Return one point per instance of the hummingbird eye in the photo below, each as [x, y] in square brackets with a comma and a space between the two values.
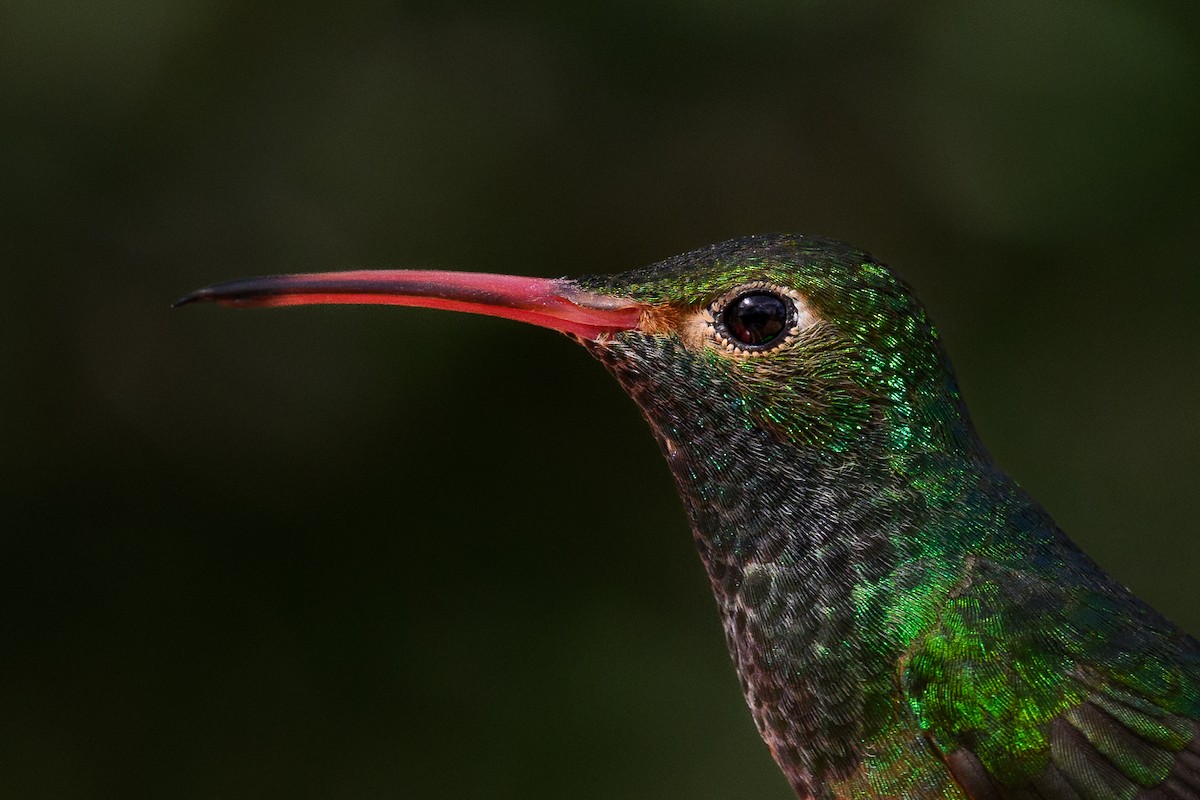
[755, 320]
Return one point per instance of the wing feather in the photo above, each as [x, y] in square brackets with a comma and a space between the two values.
[1057, 690]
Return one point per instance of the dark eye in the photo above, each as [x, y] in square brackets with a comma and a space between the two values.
[757, 319]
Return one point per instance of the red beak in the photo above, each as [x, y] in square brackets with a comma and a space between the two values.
[552, 303]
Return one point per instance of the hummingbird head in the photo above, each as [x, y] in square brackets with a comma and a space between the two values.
[805, 338]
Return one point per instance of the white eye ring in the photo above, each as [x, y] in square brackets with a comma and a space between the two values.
[799, 318]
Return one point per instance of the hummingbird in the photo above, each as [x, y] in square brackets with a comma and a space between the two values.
[905, 621]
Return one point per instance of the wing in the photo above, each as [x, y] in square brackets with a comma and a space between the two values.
[1069, 689]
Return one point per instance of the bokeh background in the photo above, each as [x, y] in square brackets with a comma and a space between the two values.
[404, 554]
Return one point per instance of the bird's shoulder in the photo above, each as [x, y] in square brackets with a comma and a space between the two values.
[1056, 684]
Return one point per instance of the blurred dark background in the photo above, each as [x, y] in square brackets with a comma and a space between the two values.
[378, 553]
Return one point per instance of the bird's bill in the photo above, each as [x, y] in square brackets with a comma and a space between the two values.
[551, 303]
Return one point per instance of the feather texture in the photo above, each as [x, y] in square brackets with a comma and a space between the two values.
[905, 620]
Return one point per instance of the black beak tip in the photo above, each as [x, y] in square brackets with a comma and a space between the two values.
[204, 295]
[247, 292]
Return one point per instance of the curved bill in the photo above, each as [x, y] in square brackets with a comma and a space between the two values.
[552, 303]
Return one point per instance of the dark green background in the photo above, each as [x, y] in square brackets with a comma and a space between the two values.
[381, 553]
